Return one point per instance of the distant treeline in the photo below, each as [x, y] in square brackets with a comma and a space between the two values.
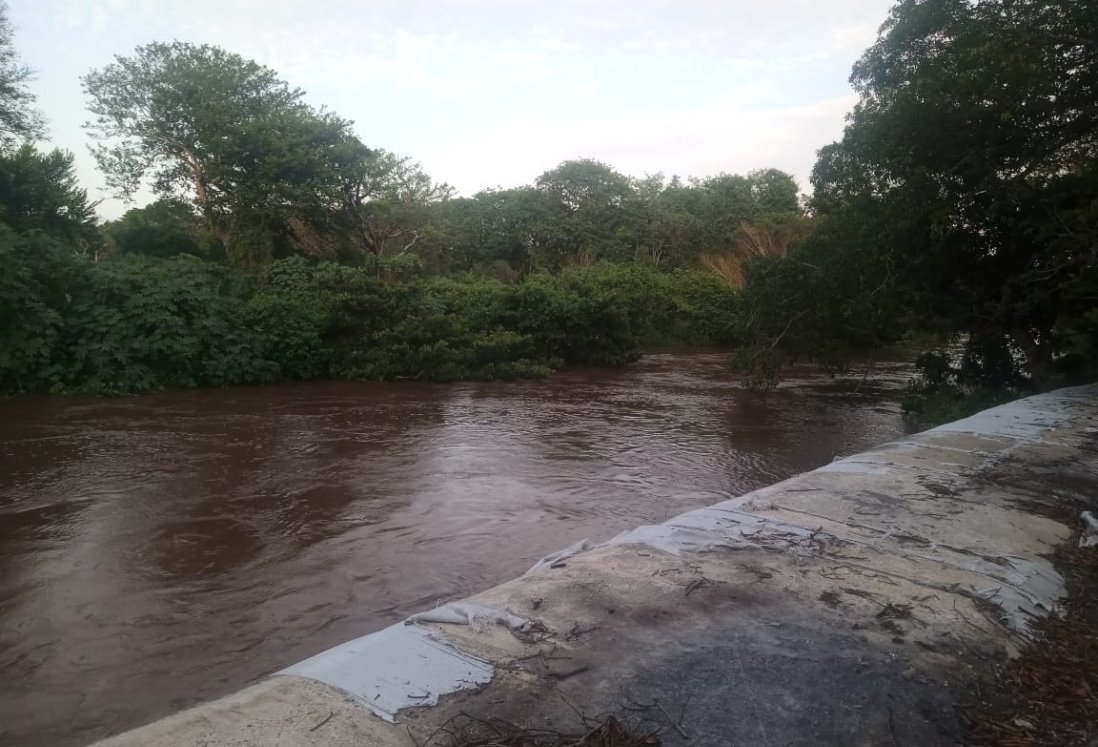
[960, 209]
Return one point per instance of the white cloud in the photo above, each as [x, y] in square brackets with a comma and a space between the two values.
[724, 136]
[488, 92]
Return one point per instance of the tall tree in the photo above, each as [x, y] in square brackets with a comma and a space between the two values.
[19, 120]
[592, 211]
[968, 172]
[726, 201]
[774, 191]
[224, 132]
[671, 230]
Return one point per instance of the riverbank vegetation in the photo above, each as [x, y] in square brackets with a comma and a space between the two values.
[139, 323]
[960, 209]
[960, 205]
[280, 247]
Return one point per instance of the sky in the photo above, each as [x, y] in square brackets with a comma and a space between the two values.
[487, 93]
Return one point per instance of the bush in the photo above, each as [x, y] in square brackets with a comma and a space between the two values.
[137, 323]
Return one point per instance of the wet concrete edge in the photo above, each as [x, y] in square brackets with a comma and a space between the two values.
[754, 620]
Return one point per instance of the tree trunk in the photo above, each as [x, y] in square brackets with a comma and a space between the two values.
[1037, 350]
[216, 226]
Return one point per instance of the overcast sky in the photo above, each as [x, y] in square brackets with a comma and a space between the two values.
[494, 92]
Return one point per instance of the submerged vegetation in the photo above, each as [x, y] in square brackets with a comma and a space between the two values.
[960, 206]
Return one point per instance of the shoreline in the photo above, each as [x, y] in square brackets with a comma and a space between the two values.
[863, 600]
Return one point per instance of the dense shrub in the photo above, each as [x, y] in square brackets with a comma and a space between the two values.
[137, 323]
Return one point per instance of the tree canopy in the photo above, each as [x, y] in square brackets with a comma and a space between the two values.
[19, 120]
[39, 191]
[220, 131]
[963, 196]
[164, 228]
[385, 197]
[961, 201]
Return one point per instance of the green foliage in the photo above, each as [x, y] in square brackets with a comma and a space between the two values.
[118, 326]
[138, 326]
[962, 198]
[250, 243]
[1076, 329]
[834, 292]
[585, 212]
[137, 323]
[679, 308]
[386, 198]
[226, 133]
[18, 119]
[494, 226]
[210, 284]
[35, 285]
[947, 388]
[589, 208]
[39, 192]
[165, 228]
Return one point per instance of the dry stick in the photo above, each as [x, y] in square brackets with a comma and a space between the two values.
[677, 726]
[637, 706]
[892, 726]
[590, 733]
[435, 733]
[583, 719]
[965, 618]
[542, 654]
[570, 673]
[695, 584]
[577, 631]
[326, 720]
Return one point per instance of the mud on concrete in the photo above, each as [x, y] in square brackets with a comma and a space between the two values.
[1048, 695]
[729, 660]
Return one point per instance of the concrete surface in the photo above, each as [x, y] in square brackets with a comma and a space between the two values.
[852, 605]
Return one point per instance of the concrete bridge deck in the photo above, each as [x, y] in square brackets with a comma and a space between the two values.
[853, 605]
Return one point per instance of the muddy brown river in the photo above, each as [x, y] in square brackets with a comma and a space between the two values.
[162, 550]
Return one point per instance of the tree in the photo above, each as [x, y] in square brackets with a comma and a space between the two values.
[774, 191]
[223, 132]
[671, 234]
[164, 228]
[497, 227]
[388, 197]
[592, 211]
[726, 201]
[967, 174]
[18, 118]
[39, 192]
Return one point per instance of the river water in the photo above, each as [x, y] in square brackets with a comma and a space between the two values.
[162, 550]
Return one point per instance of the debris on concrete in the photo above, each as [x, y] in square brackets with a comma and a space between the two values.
[476, 616]
[557, 558]
[464, 730]
[1048, 695]
[1089, 536]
